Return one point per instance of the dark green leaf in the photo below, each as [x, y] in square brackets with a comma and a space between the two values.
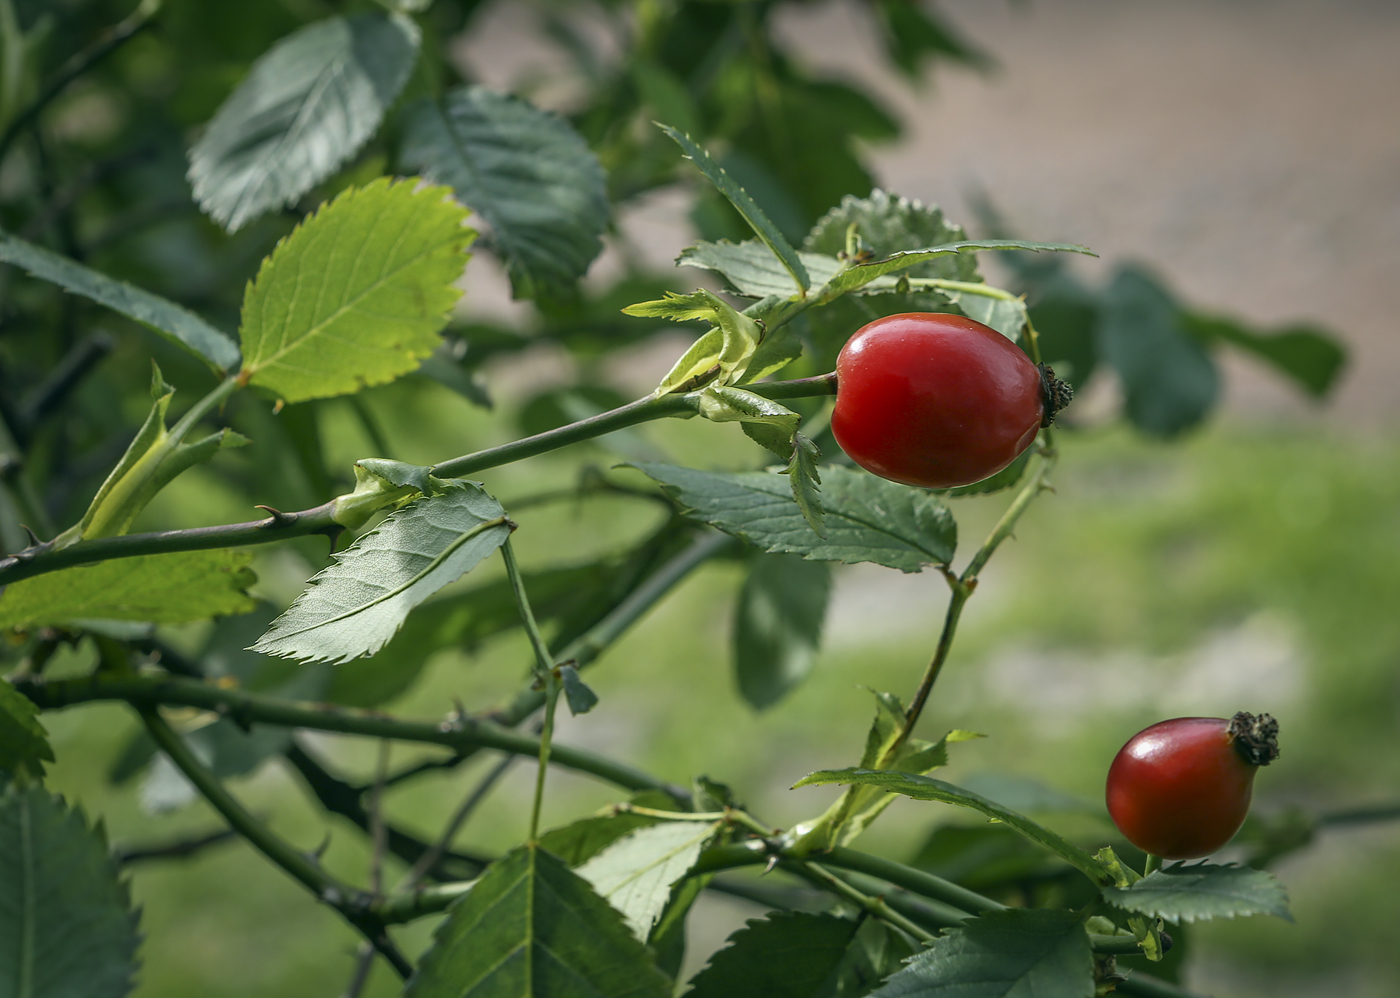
[1169, 381]
[867, 518]
[1311, 357]
[778, 625]
[526, 172]
[162, 588]
[635, 874]
[176, 324]
[1181, 893]
[67, 928]
[306, 107]
[752, 213]
[384, 260]
[914, 33]
[579, 696]
[23, 741]
[927, 788]
[1065, 319]
[1004, 954]
[787, 954]
[357, 604]
[531, 928]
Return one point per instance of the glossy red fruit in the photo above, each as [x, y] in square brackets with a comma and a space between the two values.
[938, 400]
[1180, 789]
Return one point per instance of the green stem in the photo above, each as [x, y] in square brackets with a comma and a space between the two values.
[1139, 985]
[46, 558]
[641, 411]
[1151, 865]
[551, 693]
[459, 734]
[963, 287]
[43, 558]
[544, 661]
[349, 901]
[876, 906]
[911, 879]
[963, 586]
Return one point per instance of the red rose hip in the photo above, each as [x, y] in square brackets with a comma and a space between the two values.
[1181, 788]
[938, 400]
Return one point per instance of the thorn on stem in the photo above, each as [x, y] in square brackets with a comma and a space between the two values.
[279, 518]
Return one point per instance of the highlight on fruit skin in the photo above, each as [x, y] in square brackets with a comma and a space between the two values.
[1181, 788]
[937, 400]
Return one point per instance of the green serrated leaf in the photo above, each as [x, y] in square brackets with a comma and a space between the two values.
[635, 874]
[525, 171]
[886, 224]
[1170, 383]
[1016, 952]
[768, 423]
[379, 483]
[805, 480]
[859, 275]
[173, 322]
[1182, 893]
[357, 604]
[752, 269]
[531, 928]
[162, 588]
[1006, 315]
[67, 927]
[579, 841]
[786, 954]
[1312, 357]
[866, 518]
[926, 788]
[308, 104]
[383, 260]
[778, 626]
[762, 226]
[24, 743]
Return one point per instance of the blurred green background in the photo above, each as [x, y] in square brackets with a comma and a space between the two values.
[1246, 151]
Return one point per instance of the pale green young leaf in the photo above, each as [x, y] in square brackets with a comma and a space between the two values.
[67, 926]
[532, 928]
[777, 422]
[778, 620]
[1040, 952]
[525, 171]
[23, 741]
[676, 307]
[761, 224]
[162, 588]
[1189, 893]
[308, 104]
[721, 354]
[866, 518]
[635, 874]
[357, 294]
[173, 322]
[926, 788]
[357, 604]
